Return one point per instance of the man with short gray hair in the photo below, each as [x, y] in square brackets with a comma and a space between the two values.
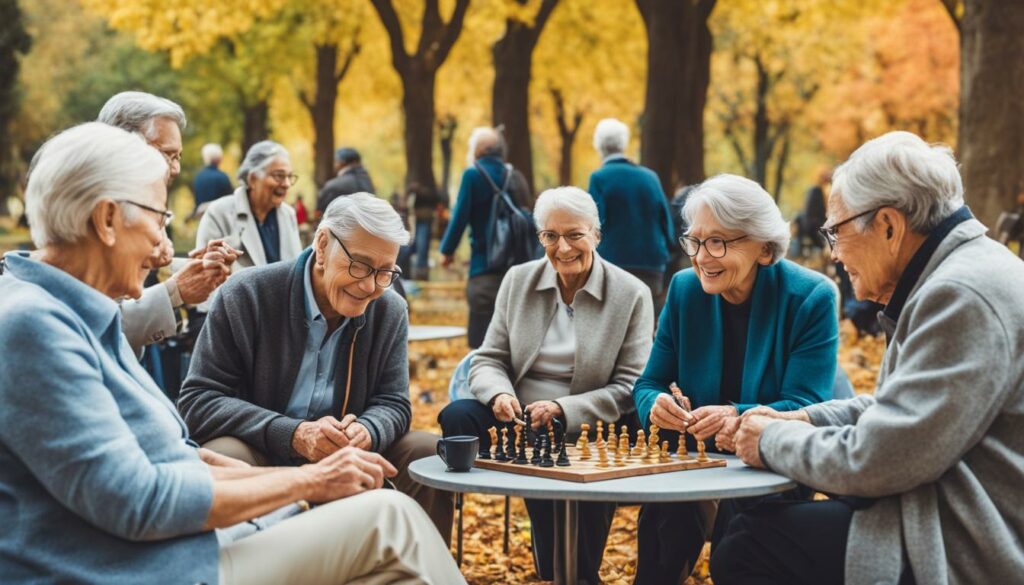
[635, 218]
[210, 182]
[300, 359]
[155, 316]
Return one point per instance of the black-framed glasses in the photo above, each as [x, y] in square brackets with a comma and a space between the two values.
[166, 215]
[716, 246]
[831, 233]
[281, 176]
[359, 269]
[549, 238]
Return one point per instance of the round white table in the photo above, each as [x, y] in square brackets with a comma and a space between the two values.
[434, 332]
[736, 480]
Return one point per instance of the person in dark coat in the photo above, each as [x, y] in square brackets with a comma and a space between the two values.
[351, 177]
[637, 223]
[813, 215]
[473, 209]
[211, 183]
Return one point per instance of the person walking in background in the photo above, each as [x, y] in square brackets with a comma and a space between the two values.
[424, 204]
[351, 177]
[635, 218]
[473, 208]
[210, 183]
[813, 215]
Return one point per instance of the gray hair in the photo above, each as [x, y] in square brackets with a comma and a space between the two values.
[484, 141]
[572, 200]
[362, 211]
[901, 170]
[260, 156]
[611, 137]
[76, 169]
[211, 152]
[136, 111]
[741, 204]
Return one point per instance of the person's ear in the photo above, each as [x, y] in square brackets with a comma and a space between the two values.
[106, 218]
[765, 257]
[320, 248]
[894, 226]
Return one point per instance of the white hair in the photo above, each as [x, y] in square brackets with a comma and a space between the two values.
[76, 169]
[740, 204]
[137, 111]
[211, 153]
[901, 170]
[362, 211]
[479, 133]
[572, 200]
[260, 156]
[611, 137]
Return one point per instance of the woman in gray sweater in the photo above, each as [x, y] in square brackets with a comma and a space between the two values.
[570, 334]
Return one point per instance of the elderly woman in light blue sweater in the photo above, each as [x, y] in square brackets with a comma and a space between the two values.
[95, 464]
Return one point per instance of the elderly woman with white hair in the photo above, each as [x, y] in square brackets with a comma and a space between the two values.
[96, 464]
[740, 329]
[569, 337]
[256, 219]
[926, 470]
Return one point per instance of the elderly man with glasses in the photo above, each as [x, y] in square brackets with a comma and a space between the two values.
[300, 359]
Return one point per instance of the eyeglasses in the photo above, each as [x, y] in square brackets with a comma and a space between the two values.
[831, 233]
[359, 269]
[172, 157]
[281, 176]
[716, 247]
[166, 215]
[549, 238]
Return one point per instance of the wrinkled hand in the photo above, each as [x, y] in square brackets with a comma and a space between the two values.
[446, 260]
[799, 415]
[708, 420]
[668, 415]
[318, 439]
[162, 254]
[196, 282]
[358, 436]
[216, 252]
[506, 407]
[347, 472]
[725, 439]
[748, 438]
[542, 412]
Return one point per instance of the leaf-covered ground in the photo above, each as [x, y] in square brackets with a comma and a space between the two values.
[484, 562]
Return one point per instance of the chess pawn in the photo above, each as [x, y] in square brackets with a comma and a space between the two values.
[499, 451]
[521, 447]
[664, 456]
[654, 440]
[651, 451]
[599, 442]
[640, 449]
[681, 453]
[551, 438]
[619, 455]
[546, 460]
[492, 433]
[563, 457]
[702, 456]
[602, 457]
[623, 450]
[584, 435]
[585, 448]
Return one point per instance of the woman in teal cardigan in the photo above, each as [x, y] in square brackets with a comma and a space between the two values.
[742, 328]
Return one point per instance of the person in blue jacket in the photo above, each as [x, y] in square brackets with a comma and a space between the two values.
[211, 183]
[637, 231]
[742, 328]
[473, 210]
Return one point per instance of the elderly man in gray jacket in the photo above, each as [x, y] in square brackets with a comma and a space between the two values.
[298, 360]
[926, 473]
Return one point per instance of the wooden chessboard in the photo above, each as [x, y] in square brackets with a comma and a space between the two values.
[588, 471]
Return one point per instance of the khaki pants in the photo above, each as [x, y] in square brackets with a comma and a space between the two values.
[439, 505]
[377, 537]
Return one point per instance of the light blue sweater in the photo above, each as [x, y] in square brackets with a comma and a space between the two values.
[792, 340]
[98, 482]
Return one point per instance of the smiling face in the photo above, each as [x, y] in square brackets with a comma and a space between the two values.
[865, 255]
[732, 275]
[570, 259]
[131, 259]
[271, 188]
[167, 139]
[337, 291]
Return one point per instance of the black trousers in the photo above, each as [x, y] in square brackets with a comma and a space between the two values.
[481, 292]
[471, 417]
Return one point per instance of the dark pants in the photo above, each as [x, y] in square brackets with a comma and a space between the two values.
[471, 417]
[422, 243]
[786, 542]
[655, 281]
[481, 292]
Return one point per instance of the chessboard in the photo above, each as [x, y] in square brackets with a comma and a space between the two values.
[586, 471]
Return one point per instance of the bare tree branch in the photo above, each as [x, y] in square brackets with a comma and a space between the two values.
[353, 51]
[389, 18]
[451, 32]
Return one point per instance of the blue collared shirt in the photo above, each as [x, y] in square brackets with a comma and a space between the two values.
[270, 236]
[313, 392]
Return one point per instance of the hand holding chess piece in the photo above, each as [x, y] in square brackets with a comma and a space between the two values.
[672, 411]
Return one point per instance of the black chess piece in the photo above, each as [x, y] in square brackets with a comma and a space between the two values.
[521, 455]
[485, 449]
[545, 460]
[563, 455]
[535, 460]
[510, 446]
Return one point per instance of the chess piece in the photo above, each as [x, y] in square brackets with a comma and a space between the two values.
[492, 433]
[701, 455]
[663, 453]
[585, 448]
[619, 453]
[545, 459]
[624, 442]
[500, 451]
[584, 435]
[528, 419]
[510, 447]
[551, 439]
[602, 456]
[681, 453]
[599, 440]
[655, 439]
[640, 448]
[535, 460]
[563, 456]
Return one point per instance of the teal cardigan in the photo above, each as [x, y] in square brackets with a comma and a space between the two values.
[792, 342]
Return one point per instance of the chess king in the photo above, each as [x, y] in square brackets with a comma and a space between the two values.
[740, 329]
[570, 307]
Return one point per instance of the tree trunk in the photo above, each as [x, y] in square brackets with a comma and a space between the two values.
[418, 105]
[446, 130]
[991, 140]
[567, 132]
[689, 156]
[255, 124]
[761, 146]
[510, 105]
[321, 110]
[780, 166]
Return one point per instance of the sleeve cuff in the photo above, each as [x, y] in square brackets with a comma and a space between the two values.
[279, 438]
[174, 293]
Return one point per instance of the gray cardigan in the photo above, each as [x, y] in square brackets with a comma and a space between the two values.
[940, 442]
[614, 327]
[249, 352]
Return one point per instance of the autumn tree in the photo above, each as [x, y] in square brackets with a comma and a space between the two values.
[513, 66]
[418, 72]
[568, 127]
[14, 41]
